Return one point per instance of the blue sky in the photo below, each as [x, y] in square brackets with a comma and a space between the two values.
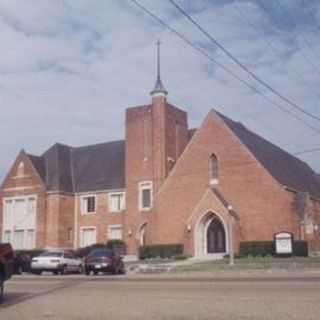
[70, 68]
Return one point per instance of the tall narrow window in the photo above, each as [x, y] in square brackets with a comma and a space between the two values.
[214, 169]
[145, 195]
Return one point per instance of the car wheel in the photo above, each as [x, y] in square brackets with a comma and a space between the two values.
[37, 272]
[121, 268]
[115, 269]
[19, 271]
[95, 272]
[64, 269]
[87, 271]
[1, 288]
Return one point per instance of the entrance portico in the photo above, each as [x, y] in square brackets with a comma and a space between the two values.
[211, 235]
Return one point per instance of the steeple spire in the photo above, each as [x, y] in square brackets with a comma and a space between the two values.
[159, 89]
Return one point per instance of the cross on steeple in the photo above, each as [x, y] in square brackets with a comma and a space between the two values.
[159, 88]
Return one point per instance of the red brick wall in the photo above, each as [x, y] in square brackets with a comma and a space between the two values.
[100, 219]
[153, 134]
[28, 184]
[263, 205]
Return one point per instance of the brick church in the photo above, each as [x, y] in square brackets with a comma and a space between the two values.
[207, 188]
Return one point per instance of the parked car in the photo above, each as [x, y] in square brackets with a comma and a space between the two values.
[56, 262]
[6, 265]
[21, 262]
[103, 260]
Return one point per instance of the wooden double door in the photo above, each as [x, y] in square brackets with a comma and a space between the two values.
[216, 237]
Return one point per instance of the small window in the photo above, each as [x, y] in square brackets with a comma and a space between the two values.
[20, 171]
[88, 204]
[145, 195]
[88, 236]
[116, 202]
[7, 236]
[115, 232]
[214, 169]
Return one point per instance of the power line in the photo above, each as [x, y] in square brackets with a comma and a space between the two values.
[307, 151]
[298, 140]
[233, 58]
[306, 57]
[291, 19]
[212, 60]
[307, 9]
[262, 35]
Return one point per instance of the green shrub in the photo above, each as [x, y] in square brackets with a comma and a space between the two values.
[180, 257]
[118, 245]
[255, 248]
[82, 252]
[160, 250]
[235, 255]
[300, 248]
[114, 242]
[266, 248]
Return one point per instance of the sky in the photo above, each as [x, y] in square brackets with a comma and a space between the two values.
[70, 68]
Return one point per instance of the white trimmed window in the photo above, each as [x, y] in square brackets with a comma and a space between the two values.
[7, 236]
[88, 204]
[19, 221]
[88, 236]
[214, 169]
[29, 242]
[116, 201]
[145, 195]
[18, 239]
[115, 231]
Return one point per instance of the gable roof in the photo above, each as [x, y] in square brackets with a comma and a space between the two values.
[84, 169]
[99, 167]
[102, 166]
[284, 167]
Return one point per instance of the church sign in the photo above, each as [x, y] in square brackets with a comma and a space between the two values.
[283, 243]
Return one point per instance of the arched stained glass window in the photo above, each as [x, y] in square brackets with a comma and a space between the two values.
[214, 169]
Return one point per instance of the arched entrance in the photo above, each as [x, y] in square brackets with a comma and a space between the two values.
[211, 235]
[142, 234]
[216, 237]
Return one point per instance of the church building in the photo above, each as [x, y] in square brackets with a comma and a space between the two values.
[208, 188]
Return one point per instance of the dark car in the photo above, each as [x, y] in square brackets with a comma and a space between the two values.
[6, 265]
[103, 260]
[21, 262]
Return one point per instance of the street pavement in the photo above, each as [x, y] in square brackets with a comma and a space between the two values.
[214, 296]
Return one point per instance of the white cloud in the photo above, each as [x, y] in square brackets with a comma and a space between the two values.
[68, 70]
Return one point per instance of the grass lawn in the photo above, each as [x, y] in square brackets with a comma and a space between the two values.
[252, 263]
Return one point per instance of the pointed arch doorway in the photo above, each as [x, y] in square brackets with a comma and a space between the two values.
[216, 237]
[211, 235]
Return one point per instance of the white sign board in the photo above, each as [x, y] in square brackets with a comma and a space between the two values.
[283, 243]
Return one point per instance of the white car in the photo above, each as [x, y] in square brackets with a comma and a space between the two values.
[56, 261]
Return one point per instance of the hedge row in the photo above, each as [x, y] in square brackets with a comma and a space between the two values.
[160, 250]
[265, 248]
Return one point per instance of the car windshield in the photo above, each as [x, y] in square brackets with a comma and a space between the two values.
[51, 254]
[101, 253]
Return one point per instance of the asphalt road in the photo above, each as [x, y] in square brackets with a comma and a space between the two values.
[132, 297]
